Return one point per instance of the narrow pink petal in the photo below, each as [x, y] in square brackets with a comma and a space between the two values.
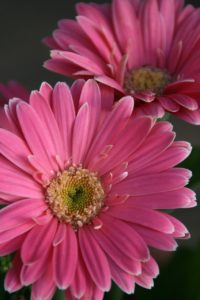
[167, 9]
[180, 229]
[20, 212]
[91, 94]
[168, 104]
[135, 245]
[60, 65]
[11, 234]
[38, 241]
[12, 279]
[109, 82]
[32, 272]
[78, 285]
[129, 144]
[115, 251]
[60, 234]
[159, 139]
[76, 89]
[150, 17]
[63, 108]
[154, 183]
[112, 126]
[25, 186]
[44, 288]
[192, 117]
[15, 150]
[11, 246]
[151, 267]
[169, 200]
[93, 31]
[124, 280]
[143, 216]
[10, 111]
[44, 111]
[185, 101]
[46, 91]
[156, 239]
[81, 61]
[80, 134]
[107, 96]
[36, 134]
[100, 14]
[169, 158]
[144, 281]
[95, 259]
[153, 109]
[65, 259]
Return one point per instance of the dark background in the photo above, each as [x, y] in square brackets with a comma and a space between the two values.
[23, 24]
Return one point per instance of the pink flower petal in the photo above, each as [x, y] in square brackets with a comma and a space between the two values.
[156, 239]
[143, 216]
[95, 259]
[36, 134]
[11, 246]
[13, 233]
[20, 212]
[63, 108]
[44, 111]
[169, 200]
[65, 259]
[45, 287]
[34, 271]
[38, 242]
[12, 279]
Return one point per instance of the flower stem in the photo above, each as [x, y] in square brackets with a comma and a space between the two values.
[59, 295]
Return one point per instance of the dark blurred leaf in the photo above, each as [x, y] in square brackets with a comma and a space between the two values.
[193, 163]
[59, 295]
[178, 280]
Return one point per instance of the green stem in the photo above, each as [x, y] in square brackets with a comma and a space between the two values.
[59, 295]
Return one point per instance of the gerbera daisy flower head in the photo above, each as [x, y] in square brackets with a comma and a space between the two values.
[82, 192]
[148, 49]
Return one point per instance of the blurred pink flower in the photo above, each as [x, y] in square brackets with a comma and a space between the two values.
[12, 89]
[148, 49]
[82, 189]
[8, 91]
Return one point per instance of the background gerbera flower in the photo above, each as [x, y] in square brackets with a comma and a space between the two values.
[149, 49]
[8, 91]
[82, 189]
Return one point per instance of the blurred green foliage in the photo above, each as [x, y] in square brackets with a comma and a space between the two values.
[179, 279]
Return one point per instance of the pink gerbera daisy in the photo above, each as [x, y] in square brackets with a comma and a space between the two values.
[149, 49]
[82, 189]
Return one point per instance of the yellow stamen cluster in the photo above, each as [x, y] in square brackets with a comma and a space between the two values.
[146, 79]
[75, 196]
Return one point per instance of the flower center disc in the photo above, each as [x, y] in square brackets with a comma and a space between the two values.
[146, 79]
[75, 196]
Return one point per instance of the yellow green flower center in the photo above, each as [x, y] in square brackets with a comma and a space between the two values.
[146, 79]
[75, 196]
